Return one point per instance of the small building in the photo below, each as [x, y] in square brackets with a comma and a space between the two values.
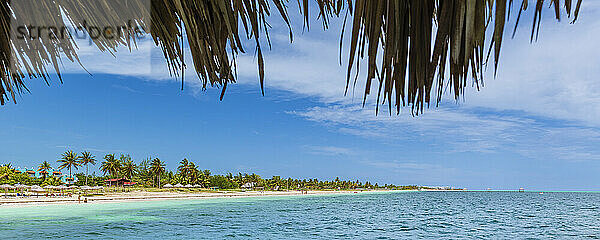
[116, 182]
[57, 174]
[129, 184]
[30, 173]
[250, 185]
[70, 180]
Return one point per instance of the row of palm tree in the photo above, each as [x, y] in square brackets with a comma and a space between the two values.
[153, 172]
[70, 160]
[125, 167]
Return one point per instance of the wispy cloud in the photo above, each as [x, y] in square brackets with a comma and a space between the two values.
[126, 88]
[330, 150]
[399, 166]
[465, 130]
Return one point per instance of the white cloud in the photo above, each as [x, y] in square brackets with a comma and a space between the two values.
[307, 67]
[330, 150]
[461, 130]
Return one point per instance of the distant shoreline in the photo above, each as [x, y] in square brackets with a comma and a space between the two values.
[140, 196]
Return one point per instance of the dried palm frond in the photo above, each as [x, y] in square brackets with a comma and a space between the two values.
[409, 65]
[414, 58]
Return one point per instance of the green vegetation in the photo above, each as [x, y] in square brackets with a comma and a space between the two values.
[44, 169]
[86, 159]
[69, 160]
[152, 173]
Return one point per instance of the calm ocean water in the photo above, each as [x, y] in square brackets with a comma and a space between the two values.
[398, 215]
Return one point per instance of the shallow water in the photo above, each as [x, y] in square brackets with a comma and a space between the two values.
[428, 215]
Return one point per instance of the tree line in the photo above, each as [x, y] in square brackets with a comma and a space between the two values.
[152, 172]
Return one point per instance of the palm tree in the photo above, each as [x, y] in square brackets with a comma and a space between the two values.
[85, 159]
[183, 168]
[69, 160]
[111, 165]
[53, 181]
[124, 158]
[205, 178]
[194, 173]
[188, 171]
[391, 34]
[157, 167]
[44, 168]
[128, 169]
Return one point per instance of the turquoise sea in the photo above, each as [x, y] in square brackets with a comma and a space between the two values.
[390, 215]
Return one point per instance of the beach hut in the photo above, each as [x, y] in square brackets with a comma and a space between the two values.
[116, 182]
[178, 185]
[129, 184]
[168, 186]
[197, 186]
[188, 186]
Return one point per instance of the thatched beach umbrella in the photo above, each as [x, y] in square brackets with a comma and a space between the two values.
[37, 189]
[20, 188]
[98, 188]
[49, 188]
[401, 46]
[6, 187]
[168, 185]
[178, 185]
[188, 186]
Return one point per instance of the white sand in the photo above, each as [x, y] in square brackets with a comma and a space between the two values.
[134, 196]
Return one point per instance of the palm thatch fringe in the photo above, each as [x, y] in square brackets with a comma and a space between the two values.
[410, 69]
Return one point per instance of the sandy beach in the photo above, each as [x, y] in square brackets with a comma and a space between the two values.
[134, 196]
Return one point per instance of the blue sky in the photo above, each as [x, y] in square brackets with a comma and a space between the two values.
[536, 125]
